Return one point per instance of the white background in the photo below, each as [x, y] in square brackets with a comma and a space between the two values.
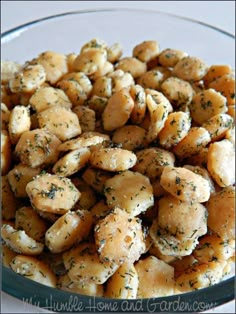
[13, 13]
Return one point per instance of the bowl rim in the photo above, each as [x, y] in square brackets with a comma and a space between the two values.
[29, 290]
[54, 299]
[29, 24]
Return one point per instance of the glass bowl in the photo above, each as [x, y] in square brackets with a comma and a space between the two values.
[66, 33]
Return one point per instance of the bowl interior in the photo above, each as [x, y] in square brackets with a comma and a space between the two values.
[66, 33]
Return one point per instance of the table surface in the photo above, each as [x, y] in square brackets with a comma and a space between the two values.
[14, 13]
